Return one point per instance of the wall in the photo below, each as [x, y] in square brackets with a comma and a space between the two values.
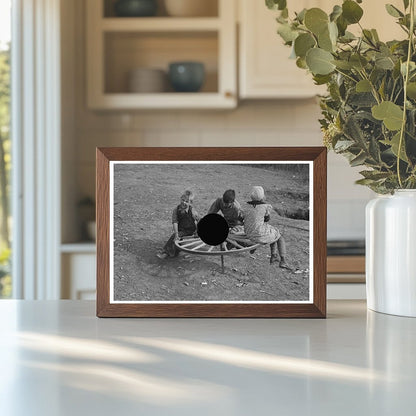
[253, 123]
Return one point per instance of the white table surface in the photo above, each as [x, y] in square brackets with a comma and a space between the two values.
[57, 358]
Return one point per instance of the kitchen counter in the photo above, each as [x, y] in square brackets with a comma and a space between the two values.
[57, 358]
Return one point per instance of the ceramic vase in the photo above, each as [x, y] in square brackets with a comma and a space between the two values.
[391, 253]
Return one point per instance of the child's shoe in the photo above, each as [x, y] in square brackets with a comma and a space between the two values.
[284, 265]
[274, 258]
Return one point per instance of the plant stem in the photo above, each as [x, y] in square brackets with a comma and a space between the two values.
[346, 75]
[405, 81]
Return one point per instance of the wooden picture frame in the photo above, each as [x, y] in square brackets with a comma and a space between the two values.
[122, 172]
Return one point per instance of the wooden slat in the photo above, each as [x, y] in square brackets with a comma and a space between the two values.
[189, 244]
[199, 246]
[189, 239]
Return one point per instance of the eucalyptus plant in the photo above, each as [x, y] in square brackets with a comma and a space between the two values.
[369, 112]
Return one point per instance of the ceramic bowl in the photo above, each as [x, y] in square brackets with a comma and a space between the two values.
[147, 80]
[191, 8]
[186, 76]
[135, 8]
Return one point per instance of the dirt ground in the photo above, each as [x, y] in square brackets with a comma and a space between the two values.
[144, 197]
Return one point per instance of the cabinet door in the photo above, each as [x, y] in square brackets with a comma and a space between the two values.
[265, 68]
[266, 71]
[78, 276]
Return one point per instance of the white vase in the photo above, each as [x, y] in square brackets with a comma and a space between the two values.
[391, 253]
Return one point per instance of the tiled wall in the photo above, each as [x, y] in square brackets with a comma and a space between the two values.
[287, 123]
[253, 123]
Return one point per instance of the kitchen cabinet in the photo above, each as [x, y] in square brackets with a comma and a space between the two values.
[78, 263]
[265, 70]
[118, 45]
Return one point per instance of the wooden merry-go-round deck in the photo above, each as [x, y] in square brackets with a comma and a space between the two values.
[234, 244]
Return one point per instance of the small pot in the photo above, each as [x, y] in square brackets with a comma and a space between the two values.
[191, 8]
[92, 230]
[147, 80]
[186, 76]
[135, 8]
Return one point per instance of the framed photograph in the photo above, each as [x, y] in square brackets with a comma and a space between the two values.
[211, 232]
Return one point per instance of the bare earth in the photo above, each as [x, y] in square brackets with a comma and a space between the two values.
[144, 197]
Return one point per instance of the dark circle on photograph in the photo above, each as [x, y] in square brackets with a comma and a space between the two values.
[213, 229]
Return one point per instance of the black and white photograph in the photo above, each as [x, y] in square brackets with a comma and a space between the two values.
[211, 232]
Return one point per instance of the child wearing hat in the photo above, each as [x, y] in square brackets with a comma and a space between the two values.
[184, 221]
[257, 229]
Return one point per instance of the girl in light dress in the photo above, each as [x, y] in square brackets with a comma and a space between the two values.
[257, 230]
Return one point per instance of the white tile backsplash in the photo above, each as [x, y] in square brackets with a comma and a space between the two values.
[346, 219]
[257, 123]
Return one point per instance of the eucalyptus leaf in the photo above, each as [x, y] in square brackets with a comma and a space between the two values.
[287, 33]
[374, 150]
[301, 15]
[351, 11]
[411, 90]
[391, 114]
[358, 160]
[276, 4]
[321, 79]
[374, 174]
[384, 62]
[281, 19]
[325, 42]
[358, 61]
[354, 132]
[365, 182]
[301, 63]
[303, 43]
[363, 86]
[412, 67]
[393, 11]
[319, 61]
[362, 112]
[368, 36]
[333, 32]
[362, 100]
[336, 12]
[375, 35]
[316, 20]
[345, 65]
[347, 37]
[342, 25]
[343, 145]
[394, 144]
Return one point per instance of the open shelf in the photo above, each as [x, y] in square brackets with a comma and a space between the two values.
[116, 46]
[160, 24]
[127, 51]
[209, 9]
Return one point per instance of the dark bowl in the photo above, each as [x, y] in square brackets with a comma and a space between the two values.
[186, 76]
[135, 8]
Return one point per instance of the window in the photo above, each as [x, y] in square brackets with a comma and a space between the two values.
[5, 145]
